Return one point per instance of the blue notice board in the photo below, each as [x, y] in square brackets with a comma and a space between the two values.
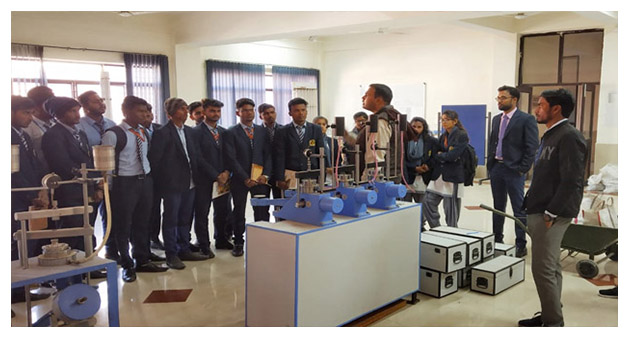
[473, 117]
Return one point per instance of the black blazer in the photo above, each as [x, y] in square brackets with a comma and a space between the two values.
[211, 162]
[30, 174]
[289, 153]
[448, 163]
[239, 155]
[430, 149]
[169, 166]
[64, 156]
[558, 181]
[520, 142]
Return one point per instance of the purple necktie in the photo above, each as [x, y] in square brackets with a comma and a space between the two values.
[504, 122]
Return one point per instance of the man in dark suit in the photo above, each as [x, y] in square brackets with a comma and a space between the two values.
[65, 148]
[292, 140]
[267, 113]
[209, 139]
[173, 158]
[513, 143]
[246, 144]
[155, 222]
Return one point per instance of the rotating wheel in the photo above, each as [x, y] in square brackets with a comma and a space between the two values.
[612, 252]
[587, 269]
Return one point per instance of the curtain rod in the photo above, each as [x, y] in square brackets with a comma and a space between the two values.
[83, 49]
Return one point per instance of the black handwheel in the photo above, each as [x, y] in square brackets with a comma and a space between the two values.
[587, 268]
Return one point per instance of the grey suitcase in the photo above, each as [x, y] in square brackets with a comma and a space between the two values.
[497, 275]
[487, 239]
[442, 254]
[473, 245]
[437, 284]
[504, 249]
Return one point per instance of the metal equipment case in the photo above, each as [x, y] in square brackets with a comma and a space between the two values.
[487, 239]
[463, 277]
[497, 275]
[473, 245]
[504, 249]
[437, 284]
[442, 254]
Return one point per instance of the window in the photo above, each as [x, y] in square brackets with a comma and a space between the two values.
[70, 79]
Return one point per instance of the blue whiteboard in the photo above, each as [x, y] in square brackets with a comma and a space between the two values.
[473, 117]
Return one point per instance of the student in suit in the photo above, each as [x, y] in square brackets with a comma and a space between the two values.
[292, 140]
[418, 153]
[196, 112]
[94, 124]
[132, 189]
[330, 149]
[42, 121]
[448, 173]
[209, 139]
[30, 173]
[267, 113]
[246, 144]
[513, 144]
[65, 148]
[173, 158]
[155, 222]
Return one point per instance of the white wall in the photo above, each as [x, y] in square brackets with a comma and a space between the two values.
[460, 65]
[606, 148]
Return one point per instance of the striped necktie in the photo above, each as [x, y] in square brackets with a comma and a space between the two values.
[139, 141]
[250, 135]
[215, 136]
[300, 133]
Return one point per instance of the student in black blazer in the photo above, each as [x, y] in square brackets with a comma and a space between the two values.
[448, 172]
[209, 138]
[155, 222]
[173, 158]
[267, 113]
[65, 148]
[289, 150]
[513, 144]
[30, 173]
[246, 144]
[419, 152]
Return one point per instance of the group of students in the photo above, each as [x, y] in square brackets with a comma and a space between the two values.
[174, 166]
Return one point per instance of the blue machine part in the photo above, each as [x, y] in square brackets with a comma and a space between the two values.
[313, 209]
[387, 192]
[76, 302]
[355, 200]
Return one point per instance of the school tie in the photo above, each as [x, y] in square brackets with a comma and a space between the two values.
[24, 142]
[250, 135]
[272, 131]
[504, 123]
[100, 126]
[300, 133]
[215, 136]
[77, 136]
[139, 141]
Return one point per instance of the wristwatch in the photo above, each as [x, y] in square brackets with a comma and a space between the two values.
[548, 218]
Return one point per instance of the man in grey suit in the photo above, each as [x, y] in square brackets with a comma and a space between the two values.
[513, 143]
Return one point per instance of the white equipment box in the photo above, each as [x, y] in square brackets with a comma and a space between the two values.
[497, 275]
[504, 249]
[463, 277]
[442, 254]
[437, 284]
[473, 245]
[487, 239]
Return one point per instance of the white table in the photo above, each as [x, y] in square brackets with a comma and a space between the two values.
[304, 275]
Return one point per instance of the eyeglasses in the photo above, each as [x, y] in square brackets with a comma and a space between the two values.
[502, 98]
[446, 119]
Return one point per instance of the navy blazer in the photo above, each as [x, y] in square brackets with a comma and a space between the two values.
[430, 149]
[520, 142]
[29, 175]
[289, 153]
[65, 155]
[170, 168]
[448, 163]
[211, 162]
[239, 155]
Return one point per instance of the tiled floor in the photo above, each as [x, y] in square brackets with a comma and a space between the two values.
[218, 293]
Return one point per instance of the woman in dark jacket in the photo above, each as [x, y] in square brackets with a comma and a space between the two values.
[448, 172]
[418, 153]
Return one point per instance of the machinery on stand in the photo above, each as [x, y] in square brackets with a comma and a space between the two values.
[314, 203]
[76, 304]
